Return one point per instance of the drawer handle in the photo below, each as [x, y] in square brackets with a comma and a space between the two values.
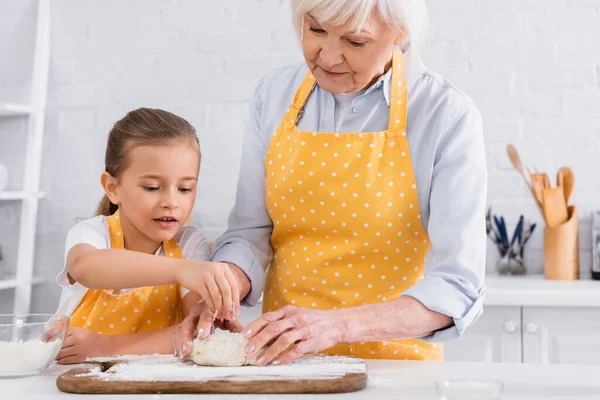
[531, 327]
[510, 327]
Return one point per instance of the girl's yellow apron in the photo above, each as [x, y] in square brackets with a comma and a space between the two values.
[141, 310]
[347, 228]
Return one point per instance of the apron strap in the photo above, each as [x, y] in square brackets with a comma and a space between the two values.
[399, 94]
[117, 240]
[304, 91]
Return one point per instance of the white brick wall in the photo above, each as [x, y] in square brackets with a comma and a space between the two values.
[531, 66]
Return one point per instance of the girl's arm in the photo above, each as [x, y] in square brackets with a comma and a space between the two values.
[154, 342]
[81, 344]
[121, 269]
[216, 283]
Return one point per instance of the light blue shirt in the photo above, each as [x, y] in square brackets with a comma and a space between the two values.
[446, 143]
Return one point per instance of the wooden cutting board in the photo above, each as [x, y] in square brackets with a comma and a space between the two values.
[166, 375]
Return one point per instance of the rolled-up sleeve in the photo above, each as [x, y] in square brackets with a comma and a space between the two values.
[246, 242]
[453, 282]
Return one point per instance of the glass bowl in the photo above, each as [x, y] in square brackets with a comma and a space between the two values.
[469, 390]
[29, 343]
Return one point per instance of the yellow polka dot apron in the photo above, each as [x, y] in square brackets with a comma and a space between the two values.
[140, 310]
[347, 228]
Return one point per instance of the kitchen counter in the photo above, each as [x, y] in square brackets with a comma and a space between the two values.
[388, 379]
[534, 290]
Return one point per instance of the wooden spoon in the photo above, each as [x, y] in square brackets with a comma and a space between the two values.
[513, 155]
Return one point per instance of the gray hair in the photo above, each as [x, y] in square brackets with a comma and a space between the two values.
[411, 15]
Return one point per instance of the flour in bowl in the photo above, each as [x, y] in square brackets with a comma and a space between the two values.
[24, 358]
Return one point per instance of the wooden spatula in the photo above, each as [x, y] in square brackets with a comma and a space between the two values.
[555, 206]
[565, 179]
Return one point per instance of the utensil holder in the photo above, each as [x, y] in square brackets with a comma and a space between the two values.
[561, 249]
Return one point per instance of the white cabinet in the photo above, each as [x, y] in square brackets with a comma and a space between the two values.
[561, 335]
[495, 337]
[539, 335]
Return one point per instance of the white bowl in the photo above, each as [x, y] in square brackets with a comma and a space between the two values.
[25, 347]
[469, 390]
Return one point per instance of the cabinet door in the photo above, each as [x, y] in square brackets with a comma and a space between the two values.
[561, 335]
[495, 337]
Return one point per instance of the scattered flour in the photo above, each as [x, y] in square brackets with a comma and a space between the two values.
[309, 367]
[25, 358]
[138, 359]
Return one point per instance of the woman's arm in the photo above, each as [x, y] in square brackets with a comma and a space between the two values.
[401, 318]
[316, 330]
[453, 281]
[246, 243]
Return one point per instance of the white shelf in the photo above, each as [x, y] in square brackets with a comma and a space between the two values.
[533, 290]
[34, 111]
[14, 110]
[20, 195]
[13, 283]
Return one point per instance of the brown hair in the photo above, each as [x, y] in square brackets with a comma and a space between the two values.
[144, 126]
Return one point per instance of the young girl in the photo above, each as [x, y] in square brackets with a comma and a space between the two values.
[152, 165]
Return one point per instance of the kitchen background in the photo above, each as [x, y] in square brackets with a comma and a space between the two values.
[532, 67]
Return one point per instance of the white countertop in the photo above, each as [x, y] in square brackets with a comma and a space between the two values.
[387, 379]
[534, 290]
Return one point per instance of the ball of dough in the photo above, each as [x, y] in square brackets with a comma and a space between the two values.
[223, 349]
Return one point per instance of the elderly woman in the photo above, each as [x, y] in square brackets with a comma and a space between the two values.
[361, 194]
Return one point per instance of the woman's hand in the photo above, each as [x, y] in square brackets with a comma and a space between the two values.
[80, 344]
[215, 283]
[306, 331]
[199, 323]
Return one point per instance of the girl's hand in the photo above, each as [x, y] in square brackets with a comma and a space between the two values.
[215, 283]
[199, 323]
[284, 335]
[80, 344]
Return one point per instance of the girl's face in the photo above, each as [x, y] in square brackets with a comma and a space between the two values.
[155, 193]
[346, 62]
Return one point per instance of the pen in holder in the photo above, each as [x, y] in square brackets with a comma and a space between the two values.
[511, 250]
[561, 249]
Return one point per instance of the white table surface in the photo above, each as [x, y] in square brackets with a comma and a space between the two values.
[387, 379]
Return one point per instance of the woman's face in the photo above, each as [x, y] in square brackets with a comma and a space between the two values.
[346, 62]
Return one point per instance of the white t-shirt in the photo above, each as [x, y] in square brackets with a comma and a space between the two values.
[95, 232]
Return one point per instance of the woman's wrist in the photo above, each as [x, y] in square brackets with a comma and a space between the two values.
[243, 282]
[345, 321]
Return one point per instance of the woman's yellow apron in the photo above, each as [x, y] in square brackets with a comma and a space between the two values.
[347, 229]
